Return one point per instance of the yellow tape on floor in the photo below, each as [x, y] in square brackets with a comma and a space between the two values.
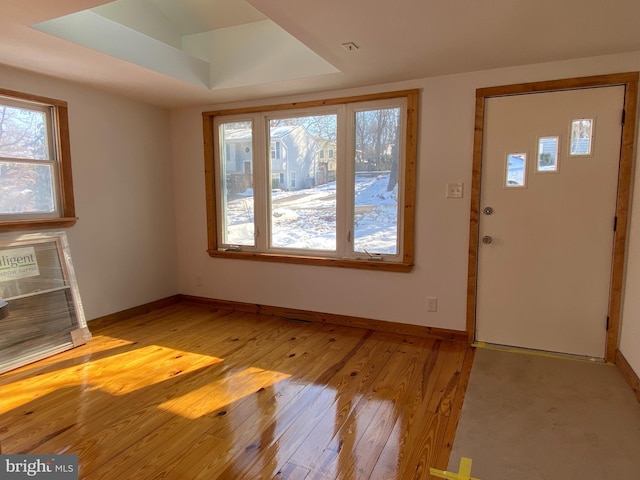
[464, 472]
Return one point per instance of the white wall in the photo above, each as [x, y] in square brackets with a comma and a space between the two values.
[445, 155]
[123, 246]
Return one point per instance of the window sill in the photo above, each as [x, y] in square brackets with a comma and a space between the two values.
[41, 224]
[314, 261]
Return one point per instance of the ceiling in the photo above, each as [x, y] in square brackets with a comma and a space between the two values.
[175, 53]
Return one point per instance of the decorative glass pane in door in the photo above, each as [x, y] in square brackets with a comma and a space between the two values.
[547, 154]
[516, 170]
[581, 136]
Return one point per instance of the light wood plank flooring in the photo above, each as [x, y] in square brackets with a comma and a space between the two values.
[190, 392]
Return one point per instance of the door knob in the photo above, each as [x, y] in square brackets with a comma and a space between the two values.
[487, 239]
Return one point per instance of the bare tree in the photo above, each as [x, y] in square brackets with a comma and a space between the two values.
[320, 126]
[25, 185]
[22, 133]
[376, 142]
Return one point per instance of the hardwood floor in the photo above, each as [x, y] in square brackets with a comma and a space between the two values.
[188, 392]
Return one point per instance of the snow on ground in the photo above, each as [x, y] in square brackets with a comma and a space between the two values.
[376, 229]
[306, 218]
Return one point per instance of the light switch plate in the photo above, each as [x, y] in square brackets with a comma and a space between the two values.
[455, 190]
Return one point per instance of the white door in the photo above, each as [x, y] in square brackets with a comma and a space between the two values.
[547, 212]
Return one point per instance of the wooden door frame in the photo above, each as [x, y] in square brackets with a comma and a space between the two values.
[630, 82]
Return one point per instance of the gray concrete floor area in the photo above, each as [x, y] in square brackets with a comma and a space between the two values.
[532, 417]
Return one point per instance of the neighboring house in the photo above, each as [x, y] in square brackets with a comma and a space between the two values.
[326, 161]
[296, 159]
[238, 158]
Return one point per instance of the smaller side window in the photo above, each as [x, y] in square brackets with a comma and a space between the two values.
[35, 163]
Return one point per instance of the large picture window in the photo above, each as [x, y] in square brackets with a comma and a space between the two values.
[35, 169]
[326, 183]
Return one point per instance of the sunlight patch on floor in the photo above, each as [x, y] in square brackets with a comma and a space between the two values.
[144, 367]
[209, 398]
[115, 374]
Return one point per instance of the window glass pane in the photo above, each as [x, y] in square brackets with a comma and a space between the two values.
[547, 154]
[26, 188]
[303, 182]
[581, 136]
[377, 134]
[23, 133]
[516, 170]
[236, 163]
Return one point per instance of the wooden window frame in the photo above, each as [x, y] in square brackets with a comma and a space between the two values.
[407, 206]
[60, 138]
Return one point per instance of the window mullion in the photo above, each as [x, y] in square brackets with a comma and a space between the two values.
[261, 181]
[344, 183]
[402, 162]
[219, 177]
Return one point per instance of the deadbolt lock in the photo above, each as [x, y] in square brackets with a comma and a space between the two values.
[487, 210]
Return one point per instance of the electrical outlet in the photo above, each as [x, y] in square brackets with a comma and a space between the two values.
[455, 190]
[432, 304]
[198, 280]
